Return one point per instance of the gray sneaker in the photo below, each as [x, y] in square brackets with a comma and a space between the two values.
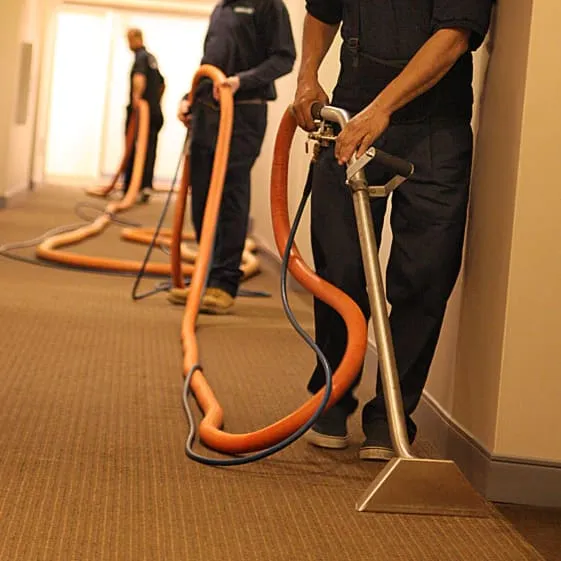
[144, 196]
[330, 430]
[378, 443]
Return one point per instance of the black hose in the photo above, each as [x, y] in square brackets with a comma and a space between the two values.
[141, 273]
[114, 218]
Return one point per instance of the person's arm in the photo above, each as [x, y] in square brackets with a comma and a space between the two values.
[138, 87]
[274, 24]
[184, 110]
[457, 26]
[162, 86]
[317, 38]
[139, 74]
[435, 58]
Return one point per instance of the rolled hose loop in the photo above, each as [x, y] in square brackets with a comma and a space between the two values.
[51, 248]
[264, 438]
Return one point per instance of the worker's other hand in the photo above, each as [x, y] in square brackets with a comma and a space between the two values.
[232, 82]
[308, 92]
[183, 113]
[361, 132]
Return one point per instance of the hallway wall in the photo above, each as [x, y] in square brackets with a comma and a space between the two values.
[530, 391]
[468, 390]
[23, 24]
[21, 27]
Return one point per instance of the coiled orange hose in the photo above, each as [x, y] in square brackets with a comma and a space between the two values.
[50, 249]
[210, 427]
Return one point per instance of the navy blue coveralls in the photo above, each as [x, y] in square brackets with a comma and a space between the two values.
[253, 40]
[145, 63]
[428, 212]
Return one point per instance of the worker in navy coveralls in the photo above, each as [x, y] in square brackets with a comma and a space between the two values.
[251, 42]
[147, 83]
[406, 78]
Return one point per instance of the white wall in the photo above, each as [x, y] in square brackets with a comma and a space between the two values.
[9, 20]
[81, 130]
[529, 412]
[21, 21]
[441, 385]
[261, 211]
[77, 98]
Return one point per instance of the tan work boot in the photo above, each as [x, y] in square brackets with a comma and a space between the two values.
[178, 296]
[217, 302]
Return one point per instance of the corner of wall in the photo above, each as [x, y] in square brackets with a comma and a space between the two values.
[490, 225]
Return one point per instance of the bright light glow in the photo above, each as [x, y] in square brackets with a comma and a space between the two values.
[77, 95]
[90, 88]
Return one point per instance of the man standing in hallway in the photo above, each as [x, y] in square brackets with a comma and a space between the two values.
[406, 75]
[146, 82]
[251, 41]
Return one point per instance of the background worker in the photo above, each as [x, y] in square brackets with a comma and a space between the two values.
[146, 82]
[251, 42]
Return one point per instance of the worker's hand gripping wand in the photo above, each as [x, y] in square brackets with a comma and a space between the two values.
[407, 483]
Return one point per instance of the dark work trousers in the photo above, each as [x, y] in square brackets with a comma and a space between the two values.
[156, 124]
[427, 220]
[250, 122]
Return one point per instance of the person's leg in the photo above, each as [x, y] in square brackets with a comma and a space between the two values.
[127, 175]
[203, 141]
[337, 259]
[156, 122]
[249, 129]
[428, 221]
[202, 159]
[232, 229]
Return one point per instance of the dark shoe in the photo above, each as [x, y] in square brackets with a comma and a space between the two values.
[144, 196]
[330, 430]
[378, 444]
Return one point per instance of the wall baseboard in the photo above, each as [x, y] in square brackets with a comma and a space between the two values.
[15, 198]
[499, 479]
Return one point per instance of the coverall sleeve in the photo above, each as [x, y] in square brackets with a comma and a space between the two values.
[274, 25]
[326, 11]
[473, 15]
[140, 65]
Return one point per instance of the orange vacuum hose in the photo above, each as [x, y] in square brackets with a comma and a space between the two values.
[209, 429]
[178, 218]
[50, 248]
